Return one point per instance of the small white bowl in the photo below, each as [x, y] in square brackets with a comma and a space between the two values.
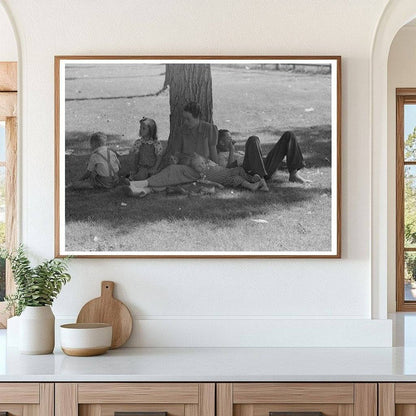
[84, 340]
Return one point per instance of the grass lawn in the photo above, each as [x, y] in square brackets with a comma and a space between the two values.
[291, 217]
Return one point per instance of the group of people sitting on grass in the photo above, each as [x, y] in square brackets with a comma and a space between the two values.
[201, 154]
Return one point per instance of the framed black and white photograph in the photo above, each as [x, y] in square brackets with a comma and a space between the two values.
[198, 156]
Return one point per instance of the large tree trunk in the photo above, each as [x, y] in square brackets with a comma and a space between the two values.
[187, 82]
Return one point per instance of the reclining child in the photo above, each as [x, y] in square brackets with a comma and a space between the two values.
[205, 171]
[234, 177]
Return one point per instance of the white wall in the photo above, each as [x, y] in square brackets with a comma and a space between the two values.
[179, 302]
[401, 74]
[8, 47]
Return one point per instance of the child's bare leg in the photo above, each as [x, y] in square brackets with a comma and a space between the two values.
[252, 186]
[263, 185]
[295, 177]
[81, 185]
[159, 188]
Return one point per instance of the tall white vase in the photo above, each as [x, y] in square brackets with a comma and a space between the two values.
[13, 332]
[37, 330]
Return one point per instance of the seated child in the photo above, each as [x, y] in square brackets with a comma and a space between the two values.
[227, 155]
[234, 177]
[147, 151]
[103, 166]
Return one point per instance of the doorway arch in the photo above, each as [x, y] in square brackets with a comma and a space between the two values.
[396, 14]
[9, 56]
[9, 34]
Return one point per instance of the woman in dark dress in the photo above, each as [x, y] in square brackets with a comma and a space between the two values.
[196, 135]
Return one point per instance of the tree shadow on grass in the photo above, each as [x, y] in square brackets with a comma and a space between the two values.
[225, 207]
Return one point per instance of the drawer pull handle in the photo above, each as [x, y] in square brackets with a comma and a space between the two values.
[139, 414]
[296, 414]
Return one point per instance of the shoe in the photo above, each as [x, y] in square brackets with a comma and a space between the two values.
[127, 190]
[175, 190]
[124, 181]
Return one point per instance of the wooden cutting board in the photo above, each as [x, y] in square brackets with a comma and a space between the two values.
[107, 309]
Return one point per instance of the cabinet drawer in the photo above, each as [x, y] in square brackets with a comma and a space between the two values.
[296, 399]
[292, 393]
[21, 399]
[19, 393]
[143, 409]
[153, 399]
[138, 393]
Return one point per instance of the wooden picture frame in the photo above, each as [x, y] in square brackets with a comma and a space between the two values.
[261, 96]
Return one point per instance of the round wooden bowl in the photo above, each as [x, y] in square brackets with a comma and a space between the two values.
[84, 340]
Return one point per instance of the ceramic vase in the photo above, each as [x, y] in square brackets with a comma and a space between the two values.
[37, 330]
[13, 331]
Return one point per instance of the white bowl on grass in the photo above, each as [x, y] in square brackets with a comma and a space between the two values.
[83, 340]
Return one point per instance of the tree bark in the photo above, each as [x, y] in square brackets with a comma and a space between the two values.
[187, 82]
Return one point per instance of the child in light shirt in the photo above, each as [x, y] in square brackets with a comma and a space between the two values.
[103, 166]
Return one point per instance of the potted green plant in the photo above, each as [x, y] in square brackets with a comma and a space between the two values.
[36, 289]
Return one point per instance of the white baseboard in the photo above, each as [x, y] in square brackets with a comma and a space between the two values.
[253, 332]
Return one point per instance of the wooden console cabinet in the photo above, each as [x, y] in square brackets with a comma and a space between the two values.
[208, 399]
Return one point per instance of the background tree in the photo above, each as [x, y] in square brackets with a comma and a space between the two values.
[410, 146]
[410, 205]
[410, 208]
[187, 82]
[410, 190]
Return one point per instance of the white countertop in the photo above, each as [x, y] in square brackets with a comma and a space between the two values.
[213, 364]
